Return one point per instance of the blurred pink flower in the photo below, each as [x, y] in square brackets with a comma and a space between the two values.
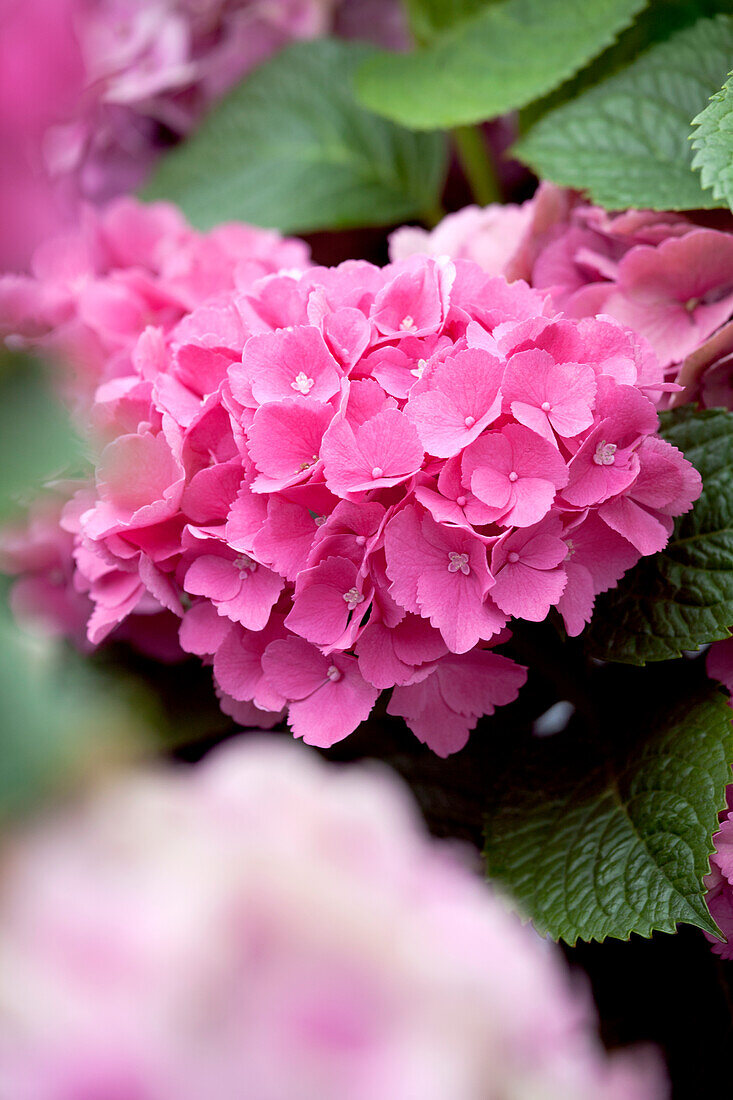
[263, 924]
[41, 81]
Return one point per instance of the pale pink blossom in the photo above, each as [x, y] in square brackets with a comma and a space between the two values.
[262, 924]
[490, 236]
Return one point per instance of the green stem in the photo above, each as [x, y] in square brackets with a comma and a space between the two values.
[476, 164]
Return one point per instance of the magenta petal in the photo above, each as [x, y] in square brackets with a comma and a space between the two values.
[336, 708]
[527, 593]
[213, 576]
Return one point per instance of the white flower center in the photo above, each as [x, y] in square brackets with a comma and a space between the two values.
[605, 454]
[320, 520]
[360, 540]
[333, 674]
[353, 598]
[303, 384]
[419, 370]
[461, 502]
[246, 565]
[470, 421]
[513, 475]
[458, 563]
[545, 406]
[377, 472]
[407, 324]
[513, 557]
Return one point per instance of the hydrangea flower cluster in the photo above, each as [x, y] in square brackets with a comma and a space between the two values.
[201, 932]
[349, 480]
[92, 291]
[668, 276]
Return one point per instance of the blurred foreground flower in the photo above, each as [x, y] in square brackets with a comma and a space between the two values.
[265, 925]
[91, 91]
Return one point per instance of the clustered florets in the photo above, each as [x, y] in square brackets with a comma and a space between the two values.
[348, 480]
[264, 925]
[668, 276]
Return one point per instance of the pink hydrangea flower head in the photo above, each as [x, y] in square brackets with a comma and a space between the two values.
[346, 480]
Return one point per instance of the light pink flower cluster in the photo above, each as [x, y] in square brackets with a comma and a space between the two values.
[349, 480]
[668, 276]
[92, 291]
[264, 925]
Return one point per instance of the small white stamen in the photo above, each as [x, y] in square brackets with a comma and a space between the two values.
[360, 540]
[303, 384]
[513, 475]
[246, 565]
[546, 406]
[470, 421]
[320, 520]
[352, 598]
[419, 370]
[605, 454]
[333, 674]
[461, 502]
[458, 563]
[407, 324]
[377, 471]
[513, 556]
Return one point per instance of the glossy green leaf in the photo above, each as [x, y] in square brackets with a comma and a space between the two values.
[712, 141]
[626, 140]
[609, 835]
[681, 598]
[291, 149]
[500, 58]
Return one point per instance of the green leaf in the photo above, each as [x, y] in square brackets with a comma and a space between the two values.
[659, 20]
[713, 144]
[625, 141]
[498, 59]
[681, 598]
[291, 149]
[604, 840]
[429, 18]
[61, 721]
[36, 440]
